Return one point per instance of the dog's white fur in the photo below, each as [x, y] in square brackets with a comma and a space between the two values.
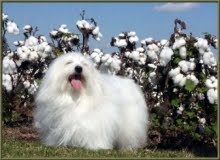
[108, 112]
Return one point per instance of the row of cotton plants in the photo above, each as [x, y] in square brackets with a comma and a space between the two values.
[178, 75]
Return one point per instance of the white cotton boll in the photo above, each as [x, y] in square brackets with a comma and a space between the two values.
[4, 16]
[33, 56]
[152, 55]
[182, 82]
[26, 84]
[182, 52]
[127, 54]
[212, 78]
[48, 49]
[155, 48]
[135, 55]
[63, 28]
[205, 44]
[143, 42]
[83, 24]
[12, 64]
[174, 72]
[6, 62]
[109, 61]
[44, 44]
[16, 31]
[201, 51]
[54, 32]
[27, 27]
[95, 31]
[132, 33]
[121, 35]
[211, 95]
[97, 59]
[194, 79]
[202, 120]
[152, 66]
[209, 84]
[177, 79]
[31, 41]
[10, 29]
[18, 62]
[79, 24]
[97, 50]
[179, 43]
[165, 56]
[216, 43]
[7, 83]
[181, 108]
[142, 60]
[42, 39]
[192, 66]
[201, 43]
[184, 65]
[16, 43]
[152, 78]
[150, 47]
[133, 39]
[208, 58]
[192, 59]
[212, 61]
[215, 83]
[115, 66]
[105, 58]
[164, 42]
[94, 54]
[121, 43]
[149, 40]
[86, 25]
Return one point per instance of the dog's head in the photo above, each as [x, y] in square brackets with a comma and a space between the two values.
[71, 72]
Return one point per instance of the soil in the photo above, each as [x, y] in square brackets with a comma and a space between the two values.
[21, 132]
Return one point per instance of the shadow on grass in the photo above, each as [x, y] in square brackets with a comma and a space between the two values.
[23, 141]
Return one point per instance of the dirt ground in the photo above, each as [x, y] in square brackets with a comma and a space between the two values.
[21, 132]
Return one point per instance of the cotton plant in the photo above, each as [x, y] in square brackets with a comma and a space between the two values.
[125, 41]
[64, 40]
[212, 93]
[23, 67]
[88, 27]
[107, 63]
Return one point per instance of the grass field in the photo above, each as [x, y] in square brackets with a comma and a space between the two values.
[12, 148]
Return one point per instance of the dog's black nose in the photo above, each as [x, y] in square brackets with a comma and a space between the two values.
[78, 69]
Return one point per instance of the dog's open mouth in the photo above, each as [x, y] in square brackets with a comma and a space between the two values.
[76, 81]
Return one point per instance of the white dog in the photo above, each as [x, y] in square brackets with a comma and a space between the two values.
[80, 107]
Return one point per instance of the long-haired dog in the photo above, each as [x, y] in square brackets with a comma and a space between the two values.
[80, 107]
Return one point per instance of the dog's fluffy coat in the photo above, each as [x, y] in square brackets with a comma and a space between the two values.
[107, 112]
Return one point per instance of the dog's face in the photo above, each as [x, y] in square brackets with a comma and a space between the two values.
[73, 72]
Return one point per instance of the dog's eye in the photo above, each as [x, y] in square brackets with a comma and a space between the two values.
[69, 62]
[84, 63]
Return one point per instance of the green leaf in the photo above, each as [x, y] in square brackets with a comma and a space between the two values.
[177, 60]
[179, 121]
[189, 86]
[189, 53]
[175, 102]
[190, 114]
[196, 136]
[202, 89]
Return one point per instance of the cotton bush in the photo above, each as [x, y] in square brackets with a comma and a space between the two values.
[178, 75]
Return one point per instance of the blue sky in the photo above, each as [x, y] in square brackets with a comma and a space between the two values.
[147, 19]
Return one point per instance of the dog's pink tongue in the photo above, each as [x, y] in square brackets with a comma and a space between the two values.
[76, 84]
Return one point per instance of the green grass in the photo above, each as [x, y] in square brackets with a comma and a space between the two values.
[12, 148]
